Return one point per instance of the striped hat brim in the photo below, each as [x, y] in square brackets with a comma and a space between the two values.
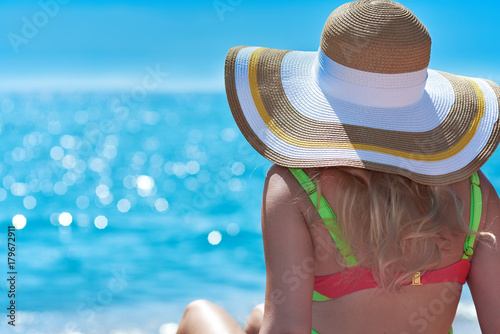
[279, 106]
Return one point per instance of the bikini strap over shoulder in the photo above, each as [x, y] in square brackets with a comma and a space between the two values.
[475, 215]
[326, 213]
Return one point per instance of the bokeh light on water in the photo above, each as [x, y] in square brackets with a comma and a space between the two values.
[65, 219]
[19, 222]
[167, 192]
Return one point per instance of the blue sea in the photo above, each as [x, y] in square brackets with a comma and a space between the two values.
[133, 207]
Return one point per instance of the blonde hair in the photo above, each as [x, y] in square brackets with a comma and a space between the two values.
[392, 223]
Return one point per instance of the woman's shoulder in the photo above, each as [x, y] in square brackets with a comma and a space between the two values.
[488, 192]
[485, 184]
[485, 264]
[280, 184]
[280, 180]
[491, 201]
[277, 170]
[279, 174]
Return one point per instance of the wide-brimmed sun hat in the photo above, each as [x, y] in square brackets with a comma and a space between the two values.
[366, 99]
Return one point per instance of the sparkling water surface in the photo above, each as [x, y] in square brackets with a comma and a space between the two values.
[133, 209]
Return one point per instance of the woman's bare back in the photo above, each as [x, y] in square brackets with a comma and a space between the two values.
[290, 235]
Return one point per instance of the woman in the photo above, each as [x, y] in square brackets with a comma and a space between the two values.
[375, 213]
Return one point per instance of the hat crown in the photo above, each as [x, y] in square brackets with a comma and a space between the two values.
[378, 36]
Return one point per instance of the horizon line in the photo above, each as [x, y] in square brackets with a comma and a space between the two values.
[106, 83]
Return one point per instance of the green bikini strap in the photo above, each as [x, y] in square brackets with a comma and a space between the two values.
[326, 213]
[476, 206]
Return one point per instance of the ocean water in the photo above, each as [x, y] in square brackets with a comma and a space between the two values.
[133, 208]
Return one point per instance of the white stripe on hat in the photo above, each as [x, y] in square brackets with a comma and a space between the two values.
[369, 89]
[298, 80]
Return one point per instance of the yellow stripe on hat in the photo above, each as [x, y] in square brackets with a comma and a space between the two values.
[464, 141]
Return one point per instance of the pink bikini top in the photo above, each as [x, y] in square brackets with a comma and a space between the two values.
[360, 278]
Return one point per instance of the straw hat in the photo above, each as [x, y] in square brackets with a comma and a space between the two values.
[366, 99]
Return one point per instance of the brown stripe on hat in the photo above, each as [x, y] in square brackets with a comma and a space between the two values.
[376, 36]
[239, 117]
[291, 121]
